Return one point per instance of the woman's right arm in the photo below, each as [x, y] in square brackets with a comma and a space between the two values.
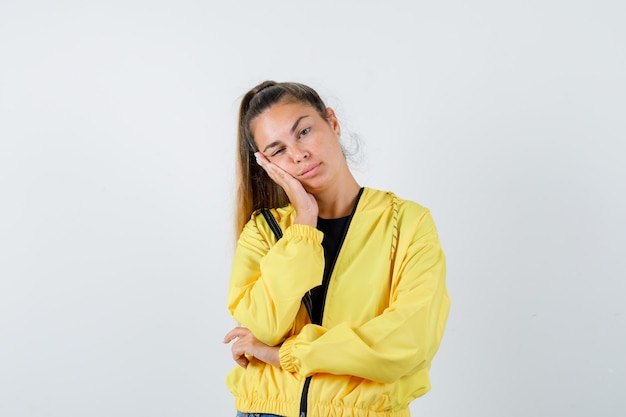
[267, 284]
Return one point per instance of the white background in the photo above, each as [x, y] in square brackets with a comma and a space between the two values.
[117, 139]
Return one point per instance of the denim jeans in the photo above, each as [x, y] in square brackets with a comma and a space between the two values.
[240, 414]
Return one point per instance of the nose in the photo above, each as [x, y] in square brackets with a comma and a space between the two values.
[300, 154]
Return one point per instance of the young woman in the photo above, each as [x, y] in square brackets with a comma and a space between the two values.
[342, 315]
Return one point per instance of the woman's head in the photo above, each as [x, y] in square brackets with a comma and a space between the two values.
[267, 94]
[255, 188]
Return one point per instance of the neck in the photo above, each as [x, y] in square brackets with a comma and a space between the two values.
[338, 201]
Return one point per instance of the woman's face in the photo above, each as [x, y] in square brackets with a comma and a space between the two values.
[306, 145]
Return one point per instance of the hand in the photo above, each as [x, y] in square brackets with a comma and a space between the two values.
[304, 202]
[247, 344]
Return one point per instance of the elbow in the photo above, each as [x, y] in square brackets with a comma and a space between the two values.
[407, 369]
[392, 367]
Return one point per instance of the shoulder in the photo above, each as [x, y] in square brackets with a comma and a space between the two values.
[402, 207]
[409, 219]
[280, 214]
[258, 228]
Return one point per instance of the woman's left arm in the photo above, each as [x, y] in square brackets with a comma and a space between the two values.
[400, 341]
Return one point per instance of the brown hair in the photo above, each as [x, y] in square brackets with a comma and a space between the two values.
[255, 189]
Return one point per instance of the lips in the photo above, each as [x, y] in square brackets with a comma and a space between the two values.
[309, 171]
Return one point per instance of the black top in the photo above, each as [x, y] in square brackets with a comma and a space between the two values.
[334, 231]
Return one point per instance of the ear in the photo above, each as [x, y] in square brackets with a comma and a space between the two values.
[332, 119]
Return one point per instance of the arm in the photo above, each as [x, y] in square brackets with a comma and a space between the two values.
[400, 341]
[267, 285]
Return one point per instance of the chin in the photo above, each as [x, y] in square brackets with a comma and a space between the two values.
[314, 187]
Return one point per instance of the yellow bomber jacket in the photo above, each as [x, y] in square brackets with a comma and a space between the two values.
[384, 315]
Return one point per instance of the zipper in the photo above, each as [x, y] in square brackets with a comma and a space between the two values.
[308, 303]
[305, 394]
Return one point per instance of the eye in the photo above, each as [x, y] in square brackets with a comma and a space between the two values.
[278, 151]
[304, 131]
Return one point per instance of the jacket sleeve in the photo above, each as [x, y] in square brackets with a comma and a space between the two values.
[399, 342]
[267, 284]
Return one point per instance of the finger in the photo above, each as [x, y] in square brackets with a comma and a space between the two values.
[229, 337]
[241, 360]
[280, 176]
[260, 158]
[286, 181]
[235, 333]
[264, 162]
[232, 335]
[275, 173]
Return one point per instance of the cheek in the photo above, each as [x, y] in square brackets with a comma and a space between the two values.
[332, 149]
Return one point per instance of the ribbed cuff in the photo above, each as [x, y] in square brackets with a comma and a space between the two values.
[284, 354]
[304, 230]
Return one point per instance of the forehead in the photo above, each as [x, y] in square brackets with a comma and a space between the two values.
[280, 118]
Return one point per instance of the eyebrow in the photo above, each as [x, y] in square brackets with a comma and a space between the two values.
[293, 129]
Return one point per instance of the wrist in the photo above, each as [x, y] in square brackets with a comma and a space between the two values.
[275, 356]
[308, 220]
